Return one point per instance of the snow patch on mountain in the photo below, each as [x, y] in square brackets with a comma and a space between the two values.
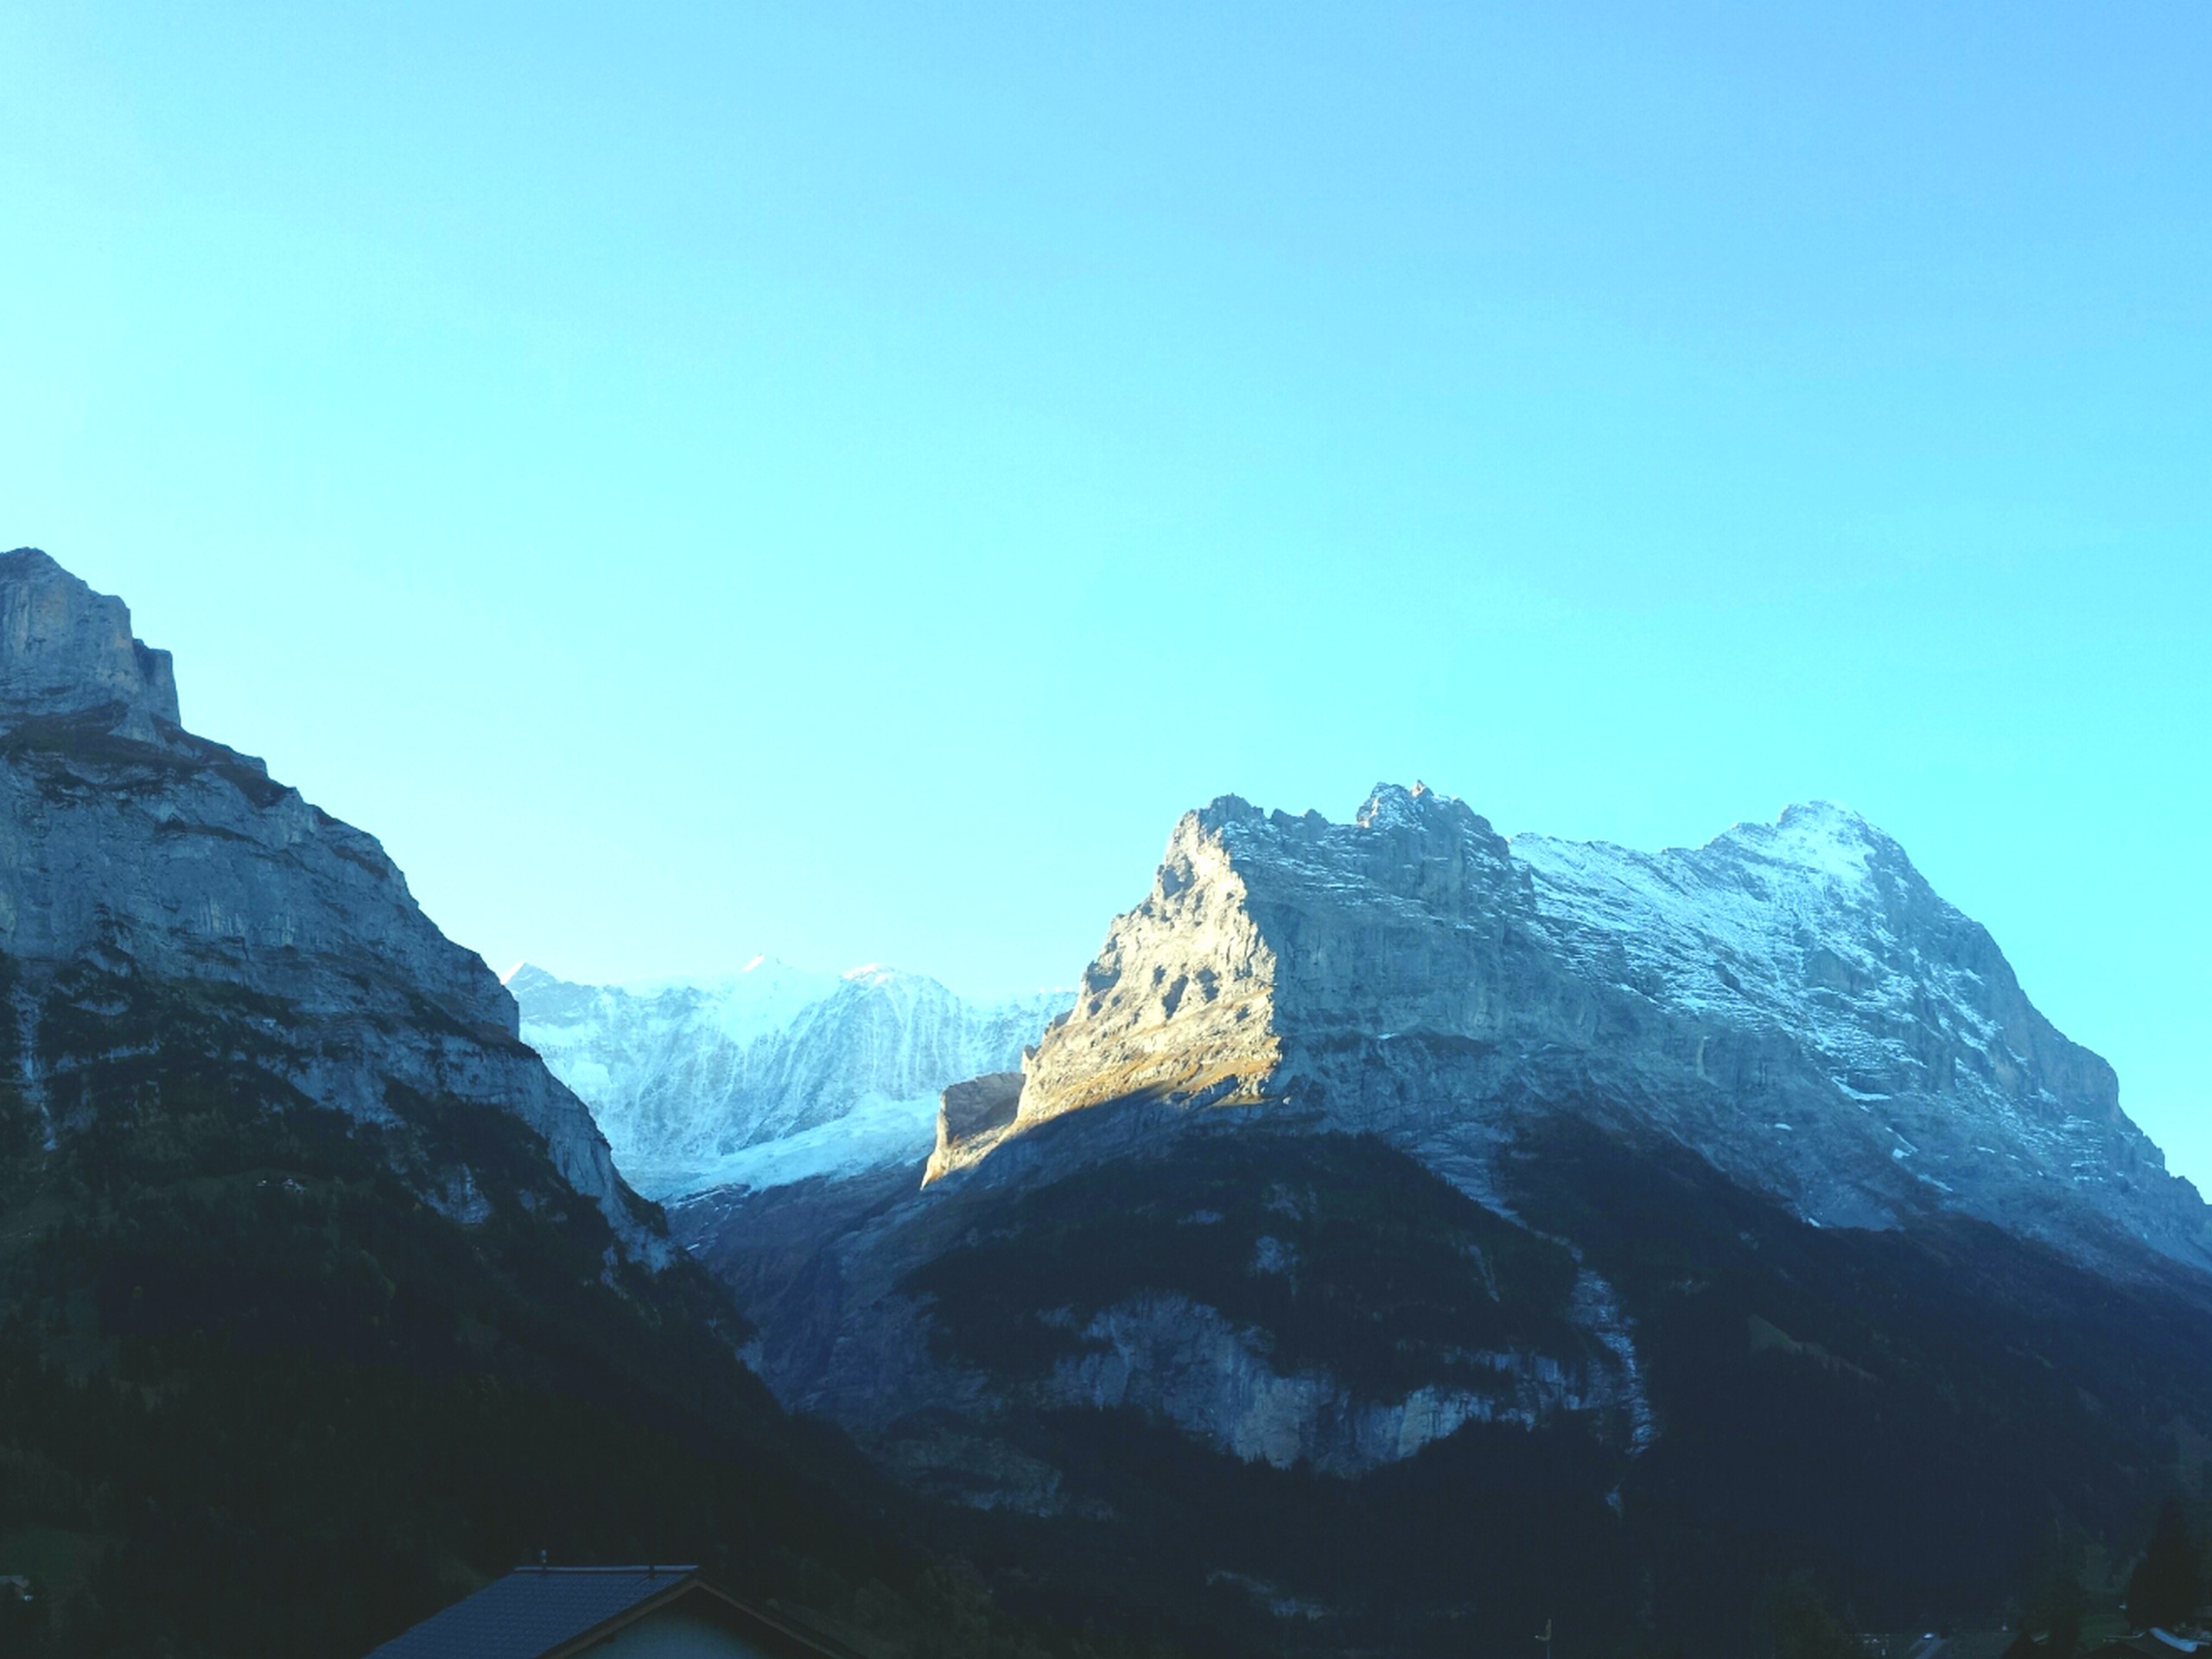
[770, 1075]
[1416, 975]
[1818, 926]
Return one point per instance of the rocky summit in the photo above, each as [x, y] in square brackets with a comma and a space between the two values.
[1791, 1001]
[1411, 1231]
[67, 651]
[321, 1298]
[143, 868]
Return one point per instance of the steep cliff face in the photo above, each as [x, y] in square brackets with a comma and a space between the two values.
[1404, 1220]
[1292, 1301]
[1792, 1004]
[773, 1074]
[139, 862]
[1180, 1003]
[319, 1296]
[1793, 1001]
[1306, 1381]
[66, 649]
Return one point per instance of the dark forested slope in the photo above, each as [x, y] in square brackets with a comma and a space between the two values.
[320, 1300]
[1292, 1392]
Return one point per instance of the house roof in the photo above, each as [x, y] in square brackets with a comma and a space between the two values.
[2150, 1645]
[540, 1613]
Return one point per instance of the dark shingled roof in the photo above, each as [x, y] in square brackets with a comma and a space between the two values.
[533, 1610]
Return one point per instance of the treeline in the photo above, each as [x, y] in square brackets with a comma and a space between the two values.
[256, 1398]
[2070, 1589]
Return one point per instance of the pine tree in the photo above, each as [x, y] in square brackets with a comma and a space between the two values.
[2168, 1584]
[1804, 1625]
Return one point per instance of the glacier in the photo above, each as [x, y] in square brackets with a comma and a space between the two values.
[770, 1075]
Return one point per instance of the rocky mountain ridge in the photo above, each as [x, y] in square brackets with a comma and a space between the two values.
[1792, 1000]
[773, 1074]
[321, 1300]
[138, 860]
[1408, 1224]
[66, 651]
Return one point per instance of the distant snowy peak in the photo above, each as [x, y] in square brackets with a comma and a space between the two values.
[1792, 999]
[771, 1073]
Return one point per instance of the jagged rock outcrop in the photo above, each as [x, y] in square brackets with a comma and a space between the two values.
[972, 1115]
[1616, 1229]
[66, 649]
[1793, 1001]
[773, 1074]
[138, 861]
[1182, 1363]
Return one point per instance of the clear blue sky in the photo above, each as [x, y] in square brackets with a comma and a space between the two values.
[839, 480]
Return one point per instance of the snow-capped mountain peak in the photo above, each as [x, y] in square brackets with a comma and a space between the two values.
[1818, 836]
[1412, 973]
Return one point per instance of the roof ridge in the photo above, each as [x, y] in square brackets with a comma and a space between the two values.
[544, 1611]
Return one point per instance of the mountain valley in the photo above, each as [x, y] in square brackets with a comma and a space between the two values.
[1400, 1235]
[320, 1300]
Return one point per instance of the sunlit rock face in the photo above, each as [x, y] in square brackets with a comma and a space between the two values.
[972, 1115]
[1791, 1000]
[144, 868]
[1791, 1004]
[1393, 1192]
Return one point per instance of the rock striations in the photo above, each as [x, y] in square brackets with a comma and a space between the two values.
[1405, 1221]
[144, 870]
[66, 649]
[1793, 1002]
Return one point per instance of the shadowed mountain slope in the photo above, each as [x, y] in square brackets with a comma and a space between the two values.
[319, 1299]
[1411, 1236]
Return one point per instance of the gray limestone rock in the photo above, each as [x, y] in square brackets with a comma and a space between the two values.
[133, 849]
[972, 1116]
[1793, 1001]
[67, 651]
[1666, 1096]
